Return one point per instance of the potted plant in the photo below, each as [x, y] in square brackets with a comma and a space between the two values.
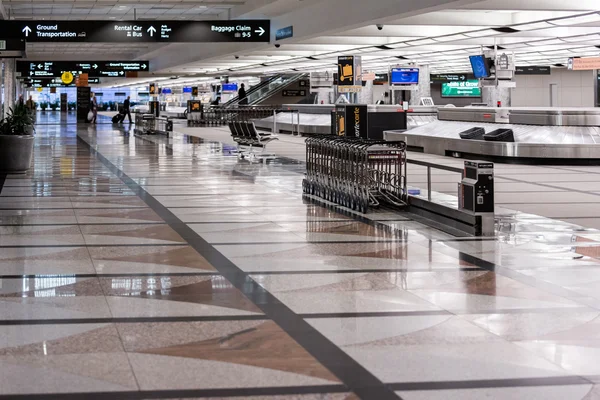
[71, 105]
[54, 106]
[16, 140]
[43, 106]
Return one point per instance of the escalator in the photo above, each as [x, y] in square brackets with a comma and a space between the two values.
[262, 92]
[235, 101]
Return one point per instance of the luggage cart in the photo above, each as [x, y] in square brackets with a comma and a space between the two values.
[356, 173]
[148, 124]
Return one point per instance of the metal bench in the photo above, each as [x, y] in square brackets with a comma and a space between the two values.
[247, 138]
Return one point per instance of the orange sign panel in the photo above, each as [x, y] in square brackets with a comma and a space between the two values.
[579, 64]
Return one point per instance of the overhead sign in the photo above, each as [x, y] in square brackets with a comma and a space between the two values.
[44, 82]
[138, 31]
[447, 77]
[349, 71]
[469, 88]
[67, 78]
[114, 69]
[533, 70]
[284, 33]
[369, 76]
[580, 64]
[293, 93]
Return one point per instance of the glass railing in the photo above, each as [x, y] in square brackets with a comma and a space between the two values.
[272, 87]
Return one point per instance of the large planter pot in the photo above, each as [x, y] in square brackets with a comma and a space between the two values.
[16, 153]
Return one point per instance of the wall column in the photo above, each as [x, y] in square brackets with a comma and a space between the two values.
[424, 87]
[490, 95]
[9, 84]
[366, 94]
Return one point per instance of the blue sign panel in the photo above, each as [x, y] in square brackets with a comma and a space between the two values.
[284, 33]
[230, 87]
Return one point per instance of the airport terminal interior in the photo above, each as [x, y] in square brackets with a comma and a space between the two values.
[300, 199]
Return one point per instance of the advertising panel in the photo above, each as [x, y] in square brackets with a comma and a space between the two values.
[469, 88]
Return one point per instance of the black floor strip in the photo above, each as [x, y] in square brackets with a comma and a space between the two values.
[353, 375]
[491, 383]
[132, 320]
[242, 393]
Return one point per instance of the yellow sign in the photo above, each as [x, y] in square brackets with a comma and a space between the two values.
[40, 89]
[67, 78]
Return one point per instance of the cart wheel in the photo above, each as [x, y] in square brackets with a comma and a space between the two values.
[363, 207]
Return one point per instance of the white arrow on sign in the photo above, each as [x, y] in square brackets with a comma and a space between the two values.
[151, 31]
[40, 66]
[31, 73]
[121, 73]
[144, 66]
[27, 31]
[95, 66]
[260, 31]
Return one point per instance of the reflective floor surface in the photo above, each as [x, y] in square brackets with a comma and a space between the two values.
[138, 268]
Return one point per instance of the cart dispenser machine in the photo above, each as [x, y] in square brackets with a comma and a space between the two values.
[477, 193]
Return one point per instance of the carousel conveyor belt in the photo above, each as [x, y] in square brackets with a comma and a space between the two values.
[321, 123]
[554, 144]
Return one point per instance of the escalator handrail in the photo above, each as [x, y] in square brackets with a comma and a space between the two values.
[293, 79]
[253, 89]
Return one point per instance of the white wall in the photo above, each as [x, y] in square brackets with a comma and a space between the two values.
[575, 89]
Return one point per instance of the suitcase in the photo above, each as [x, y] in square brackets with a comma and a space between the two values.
[500, 135]
[118, 118]
[475, 133]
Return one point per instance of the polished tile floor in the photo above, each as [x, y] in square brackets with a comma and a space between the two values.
[138, 268]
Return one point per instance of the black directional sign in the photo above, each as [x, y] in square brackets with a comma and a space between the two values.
[448, 77]
[113, 69]
[51, 82]
[138, 31]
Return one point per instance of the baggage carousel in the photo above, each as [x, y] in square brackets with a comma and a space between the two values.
[555, 143]
[316, 118]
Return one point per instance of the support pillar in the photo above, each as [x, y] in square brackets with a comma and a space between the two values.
[490, 95]
[424, 87]
[366, 94]
[9, 84]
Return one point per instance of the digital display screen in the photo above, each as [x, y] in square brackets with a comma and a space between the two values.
[480, 66]
[187, 89]
[230, 87]
[404, 76]
[167, 91]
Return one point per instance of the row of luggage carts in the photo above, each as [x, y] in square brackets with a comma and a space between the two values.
[223, 116]
[356, 173]
[498, 135]
[148, 124]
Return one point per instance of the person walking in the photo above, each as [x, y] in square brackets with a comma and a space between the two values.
[94, 109]
[242, 95]
[30, 104]
[127, 108]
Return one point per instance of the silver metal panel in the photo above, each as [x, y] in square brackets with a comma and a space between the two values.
[471, 114]
[321, 124]
[531, 141]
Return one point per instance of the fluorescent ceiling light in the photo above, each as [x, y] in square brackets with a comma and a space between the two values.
[545, 42]
[397, 45]
[583, 38]
[485, 32]
[533, 26]
[420, 42]
[581, 19]
[450, 38]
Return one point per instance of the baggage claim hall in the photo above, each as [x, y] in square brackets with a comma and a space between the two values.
[299, 199]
